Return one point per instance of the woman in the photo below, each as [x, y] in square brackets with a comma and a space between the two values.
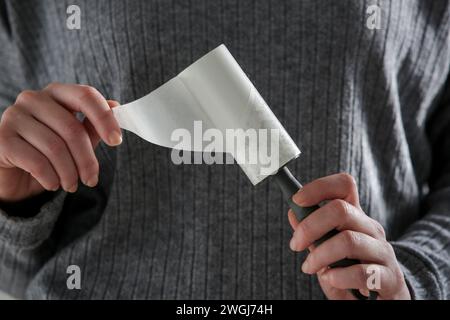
[372, 102]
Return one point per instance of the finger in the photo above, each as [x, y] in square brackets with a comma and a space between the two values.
[292, 219]
[348, 244]
[51, 146]
[337, 186]
[364, 277]
[336, 214]
[331, 292]
[364, 292]
[93, 135]
[69, 128]
[15, 152]
[85, 99]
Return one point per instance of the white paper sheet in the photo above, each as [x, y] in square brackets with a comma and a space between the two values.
[214, 90]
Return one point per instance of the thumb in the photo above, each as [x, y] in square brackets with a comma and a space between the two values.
[93, 135]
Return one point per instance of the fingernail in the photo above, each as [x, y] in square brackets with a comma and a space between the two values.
[55, 188]
[73, 188]
[297, 197]
[293, 244]
[115, 138]
[305, 267]
[92, 181]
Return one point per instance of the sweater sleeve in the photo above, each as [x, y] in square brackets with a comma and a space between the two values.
[12, 81]
[28, 223]
[424, 250]
[23, 235]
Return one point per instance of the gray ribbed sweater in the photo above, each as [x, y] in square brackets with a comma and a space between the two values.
[373, 103]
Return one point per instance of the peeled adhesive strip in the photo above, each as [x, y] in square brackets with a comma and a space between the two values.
[215, 91]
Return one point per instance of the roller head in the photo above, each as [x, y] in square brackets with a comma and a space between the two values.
[231, 102]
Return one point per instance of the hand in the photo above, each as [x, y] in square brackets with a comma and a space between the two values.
[360, 237]
[43, 146]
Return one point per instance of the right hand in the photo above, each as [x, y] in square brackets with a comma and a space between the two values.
[43, 146]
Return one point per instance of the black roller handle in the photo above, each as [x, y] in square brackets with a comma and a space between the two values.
[289, 185]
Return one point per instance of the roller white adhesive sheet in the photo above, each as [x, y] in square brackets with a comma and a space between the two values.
[215, 91]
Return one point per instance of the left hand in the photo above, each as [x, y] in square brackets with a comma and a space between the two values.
[360, 237]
